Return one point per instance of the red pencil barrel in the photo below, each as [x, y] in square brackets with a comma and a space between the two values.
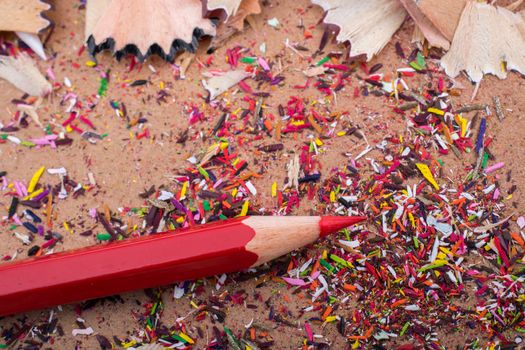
[129, 265]
[156, 260]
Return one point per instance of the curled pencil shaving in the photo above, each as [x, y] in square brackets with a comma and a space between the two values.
[485, 39]
[24, 16]
[234, 22]
[367, 25]
[228, 7]
[444, 14]
[217, 85]
[436, 19]
[142, 28]
[22, 72]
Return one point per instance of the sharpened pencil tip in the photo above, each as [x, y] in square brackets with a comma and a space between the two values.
[332, 224]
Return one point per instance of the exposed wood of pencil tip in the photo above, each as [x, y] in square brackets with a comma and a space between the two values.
[278, 237]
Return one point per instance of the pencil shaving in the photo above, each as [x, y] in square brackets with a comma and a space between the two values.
[444, 14]
[514, 5]
[183, 61]
[24, 74]
[367, 25]
[24, 16]
[164, 27]
[34, 42]
[436, 19]
[31, 111]
[424, 29]
[230, 7]
[235, 23]
[417, 36]
[521, 25]
[220, 84]
[486, 37]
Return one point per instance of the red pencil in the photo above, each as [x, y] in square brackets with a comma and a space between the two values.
[156, 260]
